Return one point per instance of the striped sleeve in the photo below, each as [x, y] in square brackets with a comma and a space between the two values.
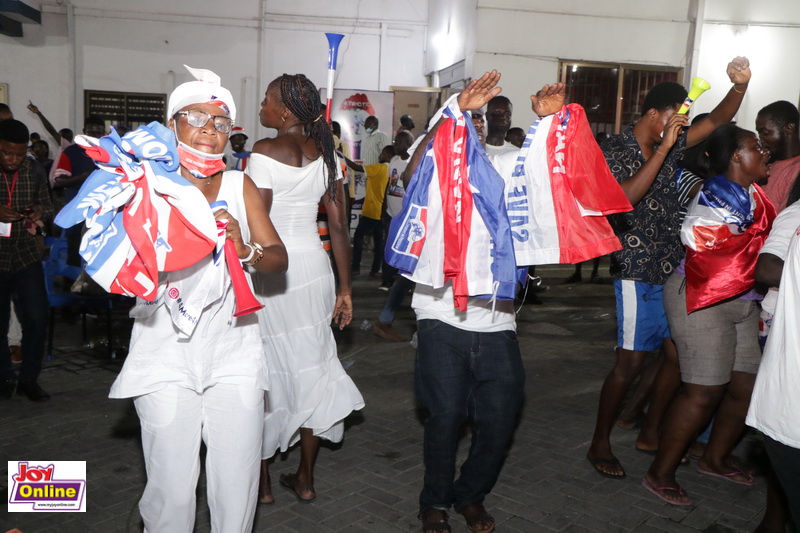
[686, 181]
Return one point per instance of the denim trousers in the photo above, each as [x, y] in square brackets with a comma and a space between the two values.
[461, 374]
[388, 272]
[397, 293]
[26, 288]
[368, 226]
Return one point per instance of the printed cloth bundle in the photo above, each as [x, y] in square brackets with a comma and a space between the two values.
[463, 220]
[724, 229]
[142, 217]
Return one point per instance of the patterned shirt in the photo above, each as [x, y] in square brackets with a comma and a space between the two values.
[650, 234]
[22, 248]
[372, 144]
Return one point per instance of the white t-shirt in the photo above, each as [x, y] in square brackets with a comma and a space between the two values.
[499, 150]
[437, 304]
[396, 191]
[775, 403]
[777, 244]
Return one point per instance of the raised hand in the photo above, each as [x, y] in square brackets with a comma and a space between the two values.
[33, 109]
[739, 71]
[549, 100]
[479, 92]
[672, 130]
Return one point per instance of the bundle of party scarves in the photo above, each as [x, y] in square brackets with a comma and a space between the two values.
[142, 217]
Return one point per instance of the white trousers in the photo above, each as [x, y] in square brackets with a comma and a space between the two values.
[229, 419]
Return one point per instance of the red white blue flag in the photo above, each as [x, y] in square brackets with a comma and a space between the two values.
[723, 231]
[142, 217]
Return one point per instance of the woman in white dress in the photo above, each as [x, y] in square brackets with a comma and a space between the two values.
[310, 393]
[206, 382]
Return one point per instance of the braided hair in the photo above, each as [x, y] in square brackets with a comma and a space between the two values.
[300, 95]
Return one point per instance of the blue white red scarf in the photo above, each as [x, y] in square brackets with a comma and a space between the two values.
[142, 217]
[724, 229]
[453, 224]
[559, 191]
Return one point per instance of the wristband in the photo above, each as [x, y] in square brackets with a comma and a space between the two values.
[257, 251]
[662, 153]
[738, 91]
[252, 253]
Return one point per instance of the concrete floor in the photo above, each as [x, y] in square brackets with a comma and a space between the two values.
[372, 480]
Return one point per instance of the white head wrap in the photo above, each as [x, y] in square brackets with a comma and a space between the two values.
[206, 90]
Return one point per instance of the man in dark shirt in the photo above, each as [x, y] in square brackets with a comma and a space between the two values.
[74, 166]
[644, 159]
[24, 200]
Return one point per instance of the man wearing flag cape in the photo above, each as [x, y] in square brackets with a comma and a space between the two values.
[196, 371]
[454, 238]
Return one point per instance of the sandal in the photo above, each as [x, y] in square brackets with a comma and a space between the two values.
[681, 498]
[478, 520]
[434, 521]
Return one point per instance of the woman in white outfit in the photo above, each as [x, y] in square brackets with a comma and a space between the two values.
[310, 393]
[210, 384]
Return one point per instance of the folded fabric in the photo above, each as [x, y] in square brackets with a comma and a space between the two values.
[142, 217]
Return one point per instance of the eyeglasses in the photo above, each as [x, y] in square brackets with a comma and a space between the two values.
[198, 119]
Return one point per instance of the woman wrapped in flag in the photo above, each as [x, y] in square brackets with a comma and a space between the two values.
[713, 315]
[196, 372]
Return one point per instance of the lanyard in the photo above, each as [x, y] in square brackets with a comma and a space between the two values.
[11, 188]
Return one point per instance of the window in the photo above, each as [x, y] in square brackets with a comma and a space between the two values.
[612, 94]
[131, 109]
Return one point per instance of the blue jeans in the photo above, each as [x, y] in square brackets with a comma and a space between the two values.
[388, 272]
[26, 288]
[368, 226]
[462, 374]
[397, 292]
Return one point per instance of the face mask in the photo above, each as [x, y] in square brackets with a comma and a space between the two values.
[199, 164]
[369, 130]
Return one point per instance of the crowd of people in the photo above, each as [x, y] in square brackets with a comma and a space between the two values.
[711, 229]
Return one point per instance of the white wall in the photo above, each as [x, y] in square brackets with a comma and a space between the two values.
[526, 39]
[451, 33]
[134, 46]
[142, 46]
[768, 34]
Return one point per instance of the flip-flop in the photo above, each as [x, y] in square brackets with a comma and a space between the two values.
[728, 476]
[659, 491]
[288, 481]
[602, 461]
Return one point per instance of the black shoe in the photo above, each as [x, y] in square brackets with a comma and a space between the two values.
[6, 388]
[32, 390]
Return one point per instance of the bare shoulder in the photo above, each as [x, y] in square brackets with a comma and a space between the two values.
[280, 149]
[267, 146]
